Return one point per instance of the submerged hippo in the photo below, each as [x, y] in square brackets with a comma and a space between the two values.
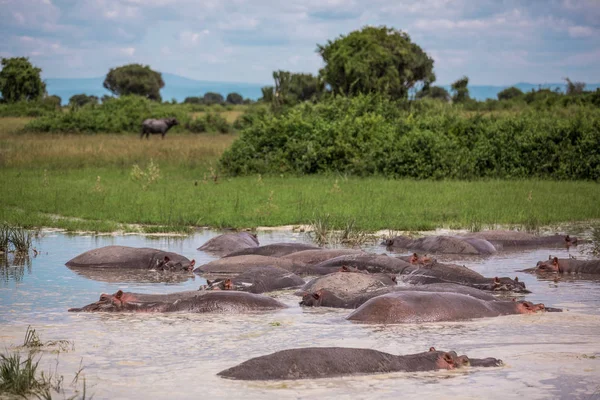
[314, 257]
[202, 302]
[258, 280]
[372, 263]
[328, 298]
[505, 239]
[125, 257]
[565, 266]
[327, 362]
[436, 272]
[157, 126]
[224, 244]
[443, 245]
[273, 250]
[238, 264]
[349, 284]
[417, 307]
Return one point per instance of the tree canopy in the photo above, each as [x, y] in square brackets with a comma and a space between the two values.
[460, 90]
[213, 98]
[433, 92]
[80, 100]
[20, 80]
[135, 79]
[292, 88]
[510, 93]
[235, 98]
[375, 60]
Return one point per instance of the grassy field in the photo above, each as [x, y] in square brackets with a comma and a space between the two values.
[102, 181]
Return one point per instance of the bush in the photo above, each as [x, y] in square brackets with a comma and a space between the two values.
[367, 135]
[123, 114]
[29, 108]
[210, 122]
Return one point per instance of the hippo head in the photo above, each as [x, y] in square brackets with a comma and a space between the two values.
[219, 284]
[527, 307]
[119, 301]
[314, 299]
[451, 360]
[506, 285]
[548, 266]
[415, 259]
[166, 264]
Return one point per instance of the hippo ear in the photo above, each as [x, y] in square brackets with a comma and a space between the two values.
[192, 263]
[167, 259]
[316, 295]
[209, 282]
[516, 279]
[496, 280]
[555, 261]
[432, 348]
[119, 294]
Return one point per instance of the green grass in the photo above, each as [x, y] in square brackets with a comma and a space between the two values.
[92, 180]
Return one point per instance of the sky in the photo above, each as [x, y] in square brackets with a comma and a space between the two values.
[493, 42]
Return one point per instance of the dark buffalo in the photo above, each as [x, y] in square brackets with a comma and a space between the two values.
[326, 362]
[157, 126]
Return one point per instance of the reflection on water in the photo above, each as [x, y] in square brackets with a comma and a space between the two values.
[553, 355]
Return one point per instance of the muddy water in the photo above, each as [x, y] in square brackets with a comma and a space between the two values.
[553, 355]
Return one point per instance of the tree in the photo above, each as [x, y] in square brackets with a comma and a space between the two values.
[213, 98]
[375, 60]
[460, 90]
[235, 98]
[574, 87]
[53, 101]
[80, 100]
[20, 80]
[510, 93]
[135, 79]
[193, 100]
[292, 88]
[433, 92]
[267, 94]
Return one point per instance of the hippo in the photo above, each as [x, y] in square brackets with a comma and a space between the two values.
[327, 298]
[349, 284]
[124, 257]
[273, 250]
[565, 266]
[328, 362]
[372, 263]
[224, 244]
[417, 307]
[238, 264]
[157, 126]
[443, 245]
[202, 302]
[314, 257]
[432, 272]
[504, 239]
[436, 272]
[257, 280]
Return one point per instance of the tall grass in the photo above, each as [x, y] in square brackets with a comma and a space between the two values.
[20, 374]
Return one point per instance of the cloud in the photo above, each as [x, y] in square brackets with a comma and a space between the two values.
[242, 40]
[581, 31]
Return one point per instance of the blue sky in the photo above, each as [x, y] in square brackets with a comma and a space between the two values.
[495, 42]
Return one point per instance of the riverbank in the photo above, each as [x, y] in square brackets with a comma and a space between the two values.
[100, 182]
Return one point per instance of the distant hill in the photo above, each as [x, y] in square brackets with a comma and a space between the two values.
[178, 88]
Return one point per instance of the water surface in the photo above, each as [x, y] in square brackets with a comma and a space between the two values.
[552, 355]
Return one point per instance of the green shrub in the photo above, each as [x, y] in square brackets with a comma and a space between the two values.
[367, 135]
[209, 122]
[123, 114]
